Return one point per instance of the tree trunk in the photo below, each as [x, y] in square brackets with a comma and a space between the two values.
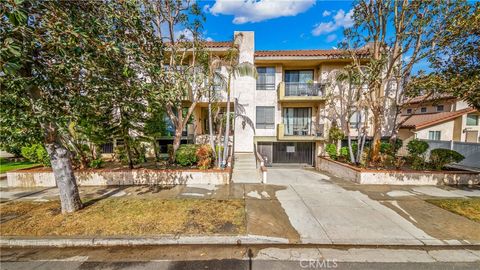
[377, 135]
[129, 153]
[63, 172]
[155, 149]
[176, 141]
[227, 130]
[210, 130]
[219, 137]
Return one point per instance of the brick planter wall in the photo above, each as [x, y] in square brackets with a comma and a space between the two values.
[105, 177]
[396, 177]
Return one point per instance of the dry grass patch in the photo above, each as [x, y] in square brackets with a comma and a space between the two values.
[469, 208]
[124, 216]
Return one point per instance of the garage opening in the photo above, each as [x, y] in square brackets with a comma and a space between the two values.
[287, 152]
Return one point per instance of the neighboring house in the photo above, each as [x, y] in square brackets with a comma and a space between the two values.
[443, 117]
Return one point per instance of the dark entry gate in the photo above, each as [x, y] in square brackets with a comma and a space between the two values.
[287, 152]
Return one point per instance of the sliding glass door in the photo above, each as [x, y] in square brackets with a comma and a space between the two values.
[297, 121]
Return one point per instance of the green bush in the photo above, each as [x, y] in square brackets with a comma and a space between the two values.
[36, 153]
[440, 157]
[344, 152]
[96, 163]
[417, 150]
[186, 155]
[331, 150]
[386, 148]
[416, 147]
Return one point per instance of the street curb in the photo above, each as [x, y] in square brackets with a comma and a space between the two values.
[172, 240]
[166, 240]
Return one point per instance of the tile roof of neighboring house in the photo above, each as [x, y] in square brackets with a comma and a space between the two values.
[419, 121]
[424, 98]
[218, 44]
[303, 53]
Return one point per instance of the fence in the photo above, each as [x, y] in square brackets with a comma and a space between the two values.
[471, 151]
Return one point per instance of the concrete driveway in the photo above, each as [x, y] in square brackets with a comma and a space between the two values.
[324, 209]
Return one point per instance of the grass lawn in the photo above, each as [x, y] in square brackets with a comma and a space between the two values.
[8, 166]
[469, 208]
[125, 216]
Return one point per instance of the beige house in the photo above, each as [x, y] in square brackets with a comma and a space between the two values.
[287, 102]
[444, 118]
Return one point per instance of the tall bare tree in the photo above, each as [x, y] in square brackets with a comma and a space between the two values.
[397, 35]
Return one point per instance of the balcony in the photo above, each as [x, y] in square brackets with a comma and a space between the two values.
[300, 134]
[301, 92]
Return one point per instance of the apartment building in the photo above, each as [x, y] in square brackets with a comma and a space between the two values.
[287, 102]
[440, 117]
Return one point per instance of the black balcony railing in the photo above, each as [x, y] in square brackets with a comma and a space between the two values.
[303, 89]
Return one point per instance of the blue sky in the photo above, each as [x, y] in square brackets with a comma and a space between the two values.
[282, 24]
[279, 24]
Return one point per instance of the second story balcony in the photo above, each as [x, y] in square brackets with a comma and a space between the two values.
[300, 132]
[301, 92]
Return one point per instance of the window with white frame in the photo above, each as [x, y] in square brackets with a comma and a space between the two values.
[440, 108]
[434, 135]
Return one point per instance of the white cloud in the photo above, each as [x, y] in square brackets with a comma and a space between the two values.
[184, 34]
[259, 10]
[331, 37]
[326, 13]
[340, 20]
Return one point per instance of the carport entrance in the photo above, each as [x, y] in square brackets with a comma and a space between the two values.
[287, 152]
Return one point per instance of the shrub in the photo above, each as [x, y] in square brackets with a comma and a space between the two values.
[331, 150]
[36, 153]
[204, 156]
[96, 163]
[416, 147]
[417, 150]
[344, 152]
[440, 157]
[386, 148]
[186, 155]
[335, 134]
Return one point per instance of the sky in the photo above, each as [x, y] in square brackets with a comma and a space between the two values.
[282, 24]
[279, 24]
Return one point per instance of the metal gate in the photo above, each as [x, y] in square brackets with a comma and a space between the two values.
[287, 152]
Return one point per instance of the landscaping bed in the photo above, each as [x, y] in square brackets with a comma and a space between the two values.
[396, 177]
[125, 216]
[469, 208]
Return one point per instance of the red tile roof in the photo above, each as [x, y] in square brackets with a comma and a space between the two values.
[419, 121]
[303, 53]
[217, 44]
[424, 98]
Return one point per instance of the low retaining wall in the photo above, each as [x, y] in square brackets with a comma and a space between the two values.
[103, 177]
[396, 177]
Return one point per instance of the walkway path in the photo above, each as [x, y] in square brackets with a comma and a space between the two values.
[327, 210]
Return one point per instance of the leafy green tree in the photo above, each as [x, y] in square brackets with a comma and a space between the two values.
[456, 64]
[395, 35]
[56, 58]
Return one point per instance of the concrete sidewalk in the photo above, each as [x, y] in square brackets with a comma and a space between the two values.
[299, 206]
[324, 209]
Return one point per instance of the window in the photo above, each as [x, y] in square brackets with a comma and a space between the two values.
[434, 135]
[266, 78]
[355, 120]
[472, 119]
[440, 108]
[409, 111]
[423, 109]
[265, 117]
[297, 121]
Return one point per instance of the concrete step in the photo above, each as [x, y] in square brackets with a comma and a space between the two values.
[245, 169]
